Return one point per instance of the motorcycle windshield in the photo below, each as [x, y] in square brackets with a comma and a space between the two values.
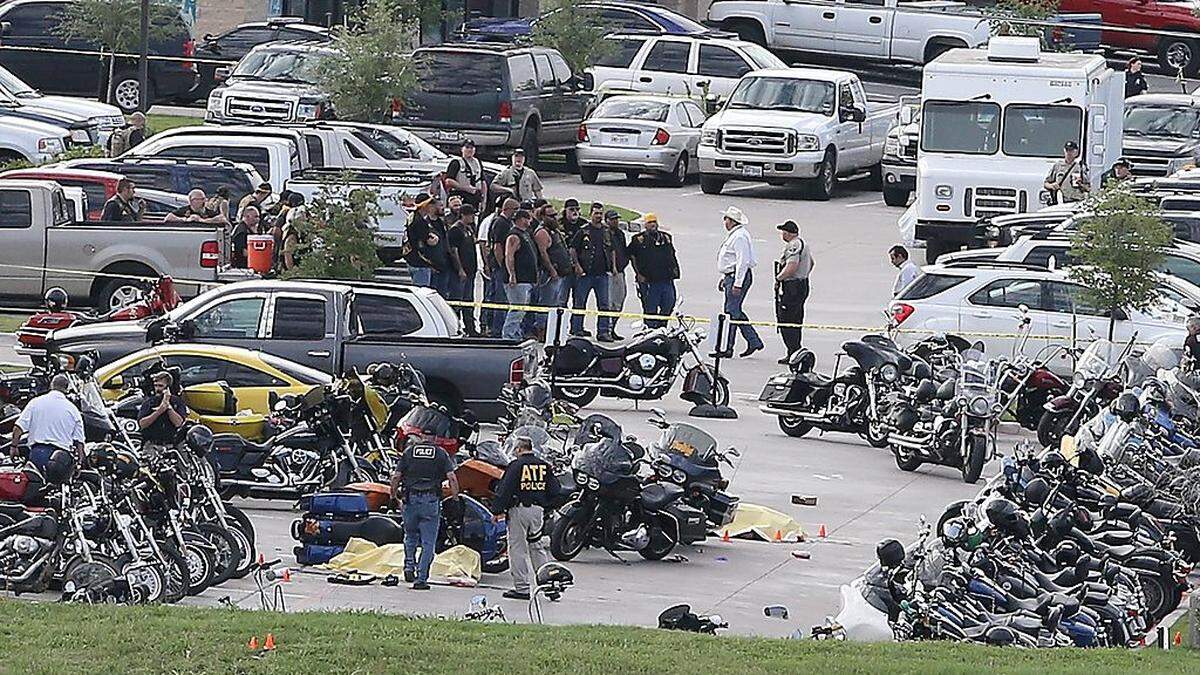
[596, 427]
[1112, 444]
[870, 356]
[90, 400]
[688, 441]
[537, 436]
[430, 421]
[1164, 354]
[1097, 358]
[973, 380]
[606, 459]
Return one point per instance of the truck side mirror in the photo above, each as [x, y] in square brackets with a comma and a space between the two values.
[5, 26]
[221, 74]
[187, 329]
[858, 115]
[587, 82]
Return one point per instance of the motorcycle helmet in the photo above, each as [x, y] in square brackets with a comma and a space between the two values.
[1091, 461]
[60, 467]
[1036, 492]
[199, 439]
[926, 390]
[56, 299]
[921, 370]
[554, 576]
[1053, 461]
[890, 554]
[802, 360]
[381, 530]
[1006, 517]
[1067, 554]
[1126, 406]
[102, 455]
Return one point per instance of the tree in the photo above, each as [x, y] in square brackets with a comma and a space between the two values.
[371, 70]
[114, 26]
[1118, 248]
[338, 234]
[576, 32]
[1009, 17]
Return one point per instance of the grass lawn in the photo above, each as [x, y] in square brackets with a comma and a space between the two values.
[10, 322]
[56, 638]
[158, 123]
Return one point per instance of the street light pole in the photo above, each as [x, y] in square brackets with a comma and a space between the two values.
[143, 61]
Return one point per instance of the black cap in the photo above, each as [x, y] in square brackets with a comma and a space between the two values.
[469, 143]
[571, 203]
[526, 205]
[263, 187]
[789, 226]
[597, 206]
[1122, 161]
[519, 151]
[467, 210]
[1070, 145]
[539, 203]
[610, 214]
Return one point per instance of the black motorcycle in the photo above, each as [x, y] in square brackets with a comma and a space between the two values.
[849, 401]
[613, 509]
[644, 370]
[690, 457]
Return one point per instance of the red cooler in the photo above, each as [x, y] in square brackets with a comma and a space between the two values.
[260, 248]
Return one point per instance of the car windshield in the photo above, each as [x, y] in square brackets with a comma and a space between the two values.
[761, 57]
[419, 148]
[274, 65]
[15, 86]
[1040, 130]
[1176, 121]
[633, 109]
[687, 24]
[967, 127]
[784, 93]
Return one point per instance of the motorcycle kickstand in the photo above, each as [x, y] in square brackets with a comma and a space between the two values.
[617, 557]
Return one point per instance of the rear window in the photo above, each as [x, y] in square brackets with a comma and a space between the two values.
[384, 315]
[16, 209]
[460, 72]
[929, 285]
[633, 109]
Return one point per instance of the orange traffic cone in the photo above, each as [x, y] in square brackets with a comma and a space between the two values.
[1178, 639]
[253, 644]
[725, 536]
[821, 532]
[287, 575]
[269, 643]
[778, 535]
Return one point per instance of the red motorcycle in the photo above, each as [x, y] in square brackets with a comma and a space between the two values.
[153, 299]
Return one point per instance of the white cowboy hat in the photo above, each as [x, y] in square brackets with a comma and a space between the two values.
[735, 214]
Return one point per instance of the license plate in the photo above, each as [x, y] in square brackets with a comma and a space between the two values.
[447, 135]
[623, 139]
[753, 171]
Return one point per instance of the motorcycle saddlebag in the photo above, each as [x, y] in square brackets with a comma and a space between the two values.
[692, 527]
[721, 507]
[310, 529]
[574, 357]
[316, 554]
[779, 389]
[14, 486]
[341, 505]
[697, 386]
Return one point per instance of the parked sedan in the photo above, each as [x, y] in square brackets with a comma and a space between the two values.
[641, 134]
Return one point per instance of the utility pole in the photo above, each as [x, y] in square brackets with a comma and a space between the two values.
[143, 61]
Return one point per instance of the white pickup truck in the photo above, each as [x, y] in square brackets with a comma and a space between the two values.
[898, 31]
[805, 124]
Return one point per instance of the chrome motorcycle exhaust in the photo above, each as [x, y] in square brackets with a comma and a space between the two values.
[910, 442]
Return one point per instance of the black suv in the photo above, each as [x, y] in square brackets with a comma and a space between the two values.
[235, 43]
[34, 23]
[500, 96]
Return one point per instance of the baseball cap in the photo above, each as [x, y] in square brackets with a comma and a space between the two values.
[597, 206]
[467, 209]
[610, 214]
[263, 187]
[789, 226]
[571, 203]
[1122, 161]
[1070, 145]
[469, 143]
[649, 218]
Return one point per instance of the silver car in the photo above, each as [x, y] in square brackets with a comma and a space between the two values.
[636, 134]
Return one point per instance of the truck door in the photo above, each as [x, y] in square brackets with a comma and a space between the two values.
[235, 320]
[24, 245]
[808, 25]
[864, 28]
[301, 328]
[851, 138]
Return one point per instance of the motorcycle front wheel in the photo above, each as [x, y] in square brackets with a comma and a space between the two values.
[877, 434]
[660, 544]
[1052, 427]
[226, 549]
[243, 531]
[906, 459]
[793, 426]
[82, 574]
[974, 458]
[147, 581]
[568, 537]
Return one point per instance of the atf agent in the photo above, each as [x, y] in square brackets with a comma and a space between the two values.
[523, 493]
[421, 470]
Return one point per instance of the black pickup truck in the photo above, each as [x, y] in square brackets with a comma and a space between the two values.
[334, 326]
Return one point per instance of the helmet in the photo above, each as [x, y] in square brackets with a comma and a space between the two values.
[1036, 492]
[1090, 461]
[1006, 517]
[199, 439]
[802, 360]
[60, 467]
[555, 575]
[1000, 636]
[1053, 461]
[1067, 554]
[1126, 406]
[56, 299]
[890, 553]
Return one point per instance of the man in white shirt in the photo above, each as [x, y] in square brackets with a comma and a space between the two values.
[735, 262]
[908, 270]
[52, 423]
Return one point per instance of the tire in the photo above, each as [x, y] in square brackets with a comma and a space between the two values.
[876, 177]
[99, 570]
[572, 161]
[660, 545]
[896, 196]
[750, 31]
[972, 466]
[906, 463]
[567, 536]
[1175, 53]
[934, 248]
[877, 435]
[126, 93]
[176, 571]
[147, 581]
[227, 551]
[679, 176]
[794, 426]
[1052, 427]
[632, 176]
[116, 293]
[821, 187]
[588, 175]
[241, 527]
[531, 145]
[711, 185]
[1158, 597]
[577, 396]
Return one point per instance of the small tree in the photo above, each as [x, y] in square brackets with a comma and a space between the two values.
[1118, 249]
[371, 70]
[1010, 17]
[576, 32]
[338, 235]
[115, 27]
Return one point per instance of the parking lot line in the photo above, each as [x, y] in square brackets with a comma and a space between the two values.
[732, 189]
[876, 201]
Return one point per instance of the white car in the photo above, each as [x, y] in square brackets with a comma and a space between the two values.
[635, 134]
[990, 298]
[678, 65]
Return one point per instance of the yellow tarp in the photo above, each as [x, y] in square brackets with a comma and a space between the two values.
[764, 523]
[457, 564]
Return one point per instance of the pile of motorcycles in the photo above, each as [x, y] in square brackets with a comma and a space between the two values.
[1088, 542]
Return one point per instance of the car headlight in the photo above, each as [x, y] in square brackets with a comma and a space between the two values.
[214, 102]
[708, 137]
[889, 372]
[80, 136]
[1078, 380]
[807, 142]
[308, 110]
[679, 476]
[891, 147]
[943, 192]
[979, 406]
[53, 146]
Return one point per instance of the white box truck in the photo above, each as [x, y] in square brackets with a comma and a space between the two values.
[993, 122]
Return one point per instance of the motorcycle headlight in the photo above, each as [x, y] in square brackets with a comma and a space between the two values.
[679, 476]
[889, 372]
[1078, 380]
[979, 406]
[664, 470]
[709, 137]
[807, 142]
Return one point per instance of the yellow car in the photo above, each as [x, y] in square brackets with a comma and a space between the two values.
[226, 388]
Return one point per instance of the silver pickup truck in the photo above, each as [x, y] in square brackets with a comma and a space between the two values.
[44, 247]
[808, 124]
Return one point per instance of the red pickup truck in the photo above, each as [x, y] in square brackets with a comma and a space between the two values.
[1167, 15]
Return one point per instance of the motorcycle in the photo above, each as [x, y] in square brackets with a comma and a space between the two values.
[644, 370]
[850, 402]
[690, 457]
[613, 509]
[1095, 383]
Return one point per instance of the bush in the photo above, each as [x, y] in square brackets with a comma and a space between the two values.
[338, 235]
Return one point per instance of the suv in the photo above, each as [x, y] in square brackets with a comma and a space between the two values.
[500, 96]
[682, 65]
[235, 43]
[273, 83]
[179, 175]
[34, 23]
[625, 16]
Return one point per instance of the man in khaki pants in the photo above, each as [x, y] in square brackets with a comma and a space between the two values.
[523, 493]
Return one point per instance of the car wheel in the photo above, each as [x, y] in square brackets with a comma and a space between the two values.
[126, 91]
[572, 161]
[1175, 54]
[821, 186]
[531, 145]
[588, 174]
[679, 176]
[711, 185]
[117, 293]
[896, 196]
[750, 31]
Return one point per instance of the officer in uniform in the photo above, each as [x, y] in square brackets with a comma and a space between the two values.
[421, 470]
[791, 285]
[1067, 180]
[523, 493]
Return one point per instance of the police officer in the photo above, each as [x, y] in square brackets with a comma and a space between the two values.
[1067, 180]
[523, 493]
[421, 470]
[791, 285]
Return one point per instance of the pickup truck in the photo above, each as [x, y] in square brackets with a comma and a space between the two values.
[806, 124]
[1174, 52]
[892, 31]
[45, 247]
[274, 82]
[900, 153]
[1161, 133]
[32, 141]
[334, 326]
